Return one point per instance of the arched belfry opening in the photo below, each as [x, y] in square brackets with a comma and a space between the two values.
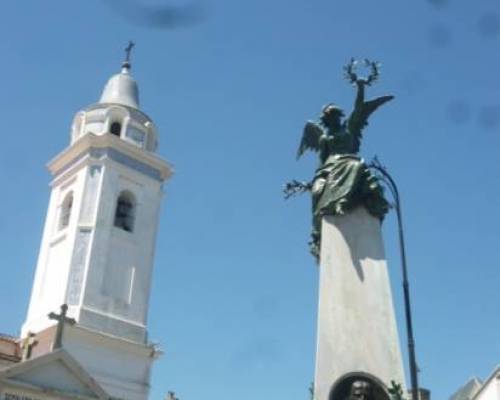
[66, 207]
[370, 386]
[115, 128]
[125, 211]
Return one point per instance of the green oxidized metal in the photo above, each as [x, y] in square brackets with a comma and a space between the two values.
[343, 180]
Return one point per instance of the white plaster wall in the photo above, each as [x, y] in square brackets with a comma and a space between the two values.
[356, 325]
[121, 367]
[93, 172]
[54, 260]
[96, 127]
[115, 253]
[85, 264]
[93, 122]
[491, 391]
[40, 269]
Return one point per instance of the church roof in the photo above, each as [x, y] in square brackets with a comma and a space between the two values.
[4, 336]
[9, 349]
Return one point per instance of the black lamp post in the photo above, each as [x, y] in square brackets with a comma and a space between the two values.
[384, 177]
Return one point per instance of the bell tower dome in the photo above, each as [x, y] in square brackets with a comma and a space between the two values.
[97, 249]
[121, 89]
[117, 112]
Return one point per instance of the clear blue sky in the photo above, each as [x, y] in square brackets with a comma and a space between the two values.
[235, 290]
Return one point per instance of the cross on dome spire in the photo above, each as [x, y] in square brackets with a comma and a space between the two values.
[121, 87]
[128, 50]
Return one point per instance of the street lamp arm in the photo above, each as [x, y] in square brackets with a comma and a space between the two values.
[386, 178]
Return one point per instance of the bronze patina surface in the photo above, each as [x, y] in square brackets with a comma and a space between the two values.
[343, 181]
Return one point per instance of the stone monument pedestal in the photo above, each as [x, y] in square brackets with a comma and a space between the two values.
[357, 336]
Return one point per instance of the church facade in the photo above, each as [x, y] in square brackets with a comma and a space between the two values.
[85, 333]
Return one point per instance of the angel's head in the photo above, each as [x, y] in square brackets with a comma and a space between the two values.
[332, 116]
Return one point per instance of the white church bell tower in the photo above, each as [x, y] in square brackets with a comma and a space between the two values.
[98, 243]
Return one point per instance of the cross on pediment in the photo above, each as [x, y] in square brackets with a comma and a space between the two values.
[27, 345]
[61, 320]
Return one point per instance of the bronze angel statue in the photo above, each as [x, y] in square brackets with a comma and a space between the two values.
[342, 181]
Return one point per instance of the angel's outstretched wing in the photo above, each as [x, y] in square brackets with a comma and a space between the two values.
[359, 117]
[310, 138]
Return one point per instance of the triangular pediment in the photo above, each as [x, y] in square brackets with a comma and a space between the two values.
[55, 372]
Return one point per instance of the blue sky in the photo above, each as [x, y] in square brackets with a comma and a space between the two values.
[235, 290]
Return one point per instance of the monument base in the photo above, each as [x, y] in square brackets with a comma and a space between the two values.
[357, 336]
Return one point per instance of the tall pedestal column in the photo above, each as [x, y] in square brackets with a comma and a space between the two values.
[357, 333]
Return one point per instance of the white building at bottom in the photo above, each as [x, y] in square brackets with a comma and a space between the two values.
[475, 389]
[96, 256]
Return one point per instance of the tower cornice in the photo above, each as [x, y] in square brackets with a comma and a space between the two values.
[91, 141]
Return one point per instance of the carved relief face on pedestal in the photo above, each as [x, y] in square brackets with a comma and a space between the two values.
[361, 390]
[359, 387]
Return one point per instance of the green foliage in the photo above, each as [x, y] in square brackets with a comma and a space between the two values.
[396, 391]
